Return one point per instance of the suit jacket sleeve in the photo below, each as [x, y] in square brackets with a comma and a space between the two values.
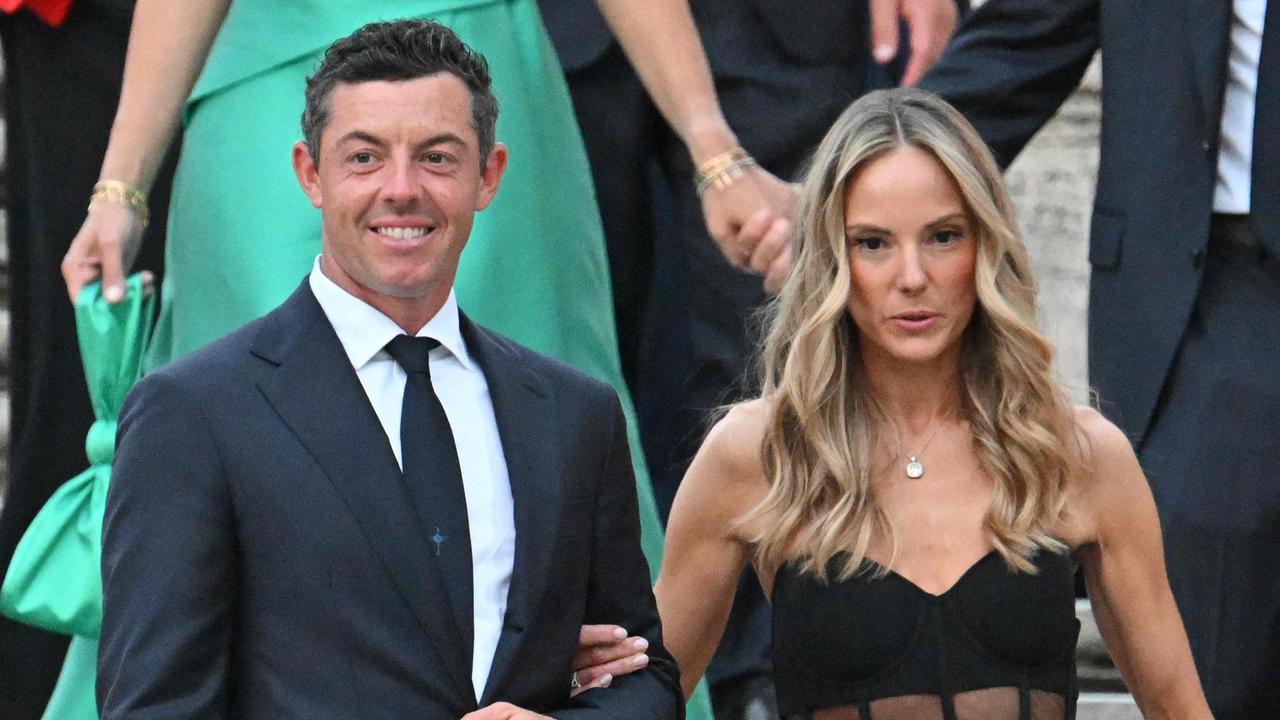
[619, 593]
[168, 559]
[1012, 63]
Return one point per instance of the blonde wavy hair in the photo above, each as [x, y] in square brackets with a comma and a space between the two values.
[825, 425]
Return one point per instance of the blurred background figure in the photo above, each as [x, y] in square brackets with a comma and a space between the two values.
[63, 63]
[685, 287]
[1185, 239]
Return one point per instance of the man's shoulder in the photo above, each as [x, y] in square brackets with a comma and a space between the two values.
[560, 375]
[214, 369]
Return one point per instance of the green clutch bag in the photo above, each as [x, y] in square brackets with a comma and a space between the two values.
[54, 581]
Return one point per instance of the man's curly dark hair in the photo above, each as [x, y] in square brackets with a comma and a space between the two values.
[400, 50]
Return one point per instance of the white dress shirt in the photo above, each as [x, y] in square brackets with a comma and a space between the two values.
[1235, 143]
[460, 384]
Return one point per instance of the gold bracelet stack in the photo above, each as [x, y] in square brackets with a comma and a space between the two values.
[722, 170]
[114, 191]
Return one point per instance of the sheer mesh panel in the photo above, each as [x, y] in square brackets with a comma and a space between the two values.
[1000, 703]
[1047, 706]
[907, 707]
[901, 707]
[987, 704]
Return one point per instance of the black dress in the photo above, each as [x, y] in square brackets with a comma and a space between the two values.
[998, 645]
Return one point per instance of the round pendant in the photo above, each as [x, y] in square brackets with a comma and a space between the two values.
[915, 469]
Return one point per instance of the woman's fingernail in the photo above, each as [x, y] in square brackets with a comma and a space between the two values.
[620, 633]
[113, 293]
[640, 644]
[641, 661]
[883, 53]
[605, 680]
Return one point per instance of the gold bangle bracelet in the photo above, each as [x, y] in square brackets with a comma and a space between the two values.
[718, 164]
[115, 191]
[724, 175]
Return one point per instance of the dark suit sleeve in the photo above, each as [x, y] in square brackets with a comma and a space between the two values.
[1012, 63]
[168, 558]
[619, 593]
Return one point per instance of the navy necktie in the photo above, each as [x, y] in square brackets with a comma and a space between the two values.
[434, 477]
[1264, 203]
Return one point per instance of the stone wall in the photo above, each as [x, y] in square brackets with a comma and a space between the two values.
[1052, 184]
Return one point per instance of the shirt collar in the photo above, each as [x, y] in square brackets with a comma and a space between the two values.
[364, 331]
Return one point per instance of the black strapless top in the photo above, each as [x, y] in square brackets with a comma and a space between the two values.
[998, 645]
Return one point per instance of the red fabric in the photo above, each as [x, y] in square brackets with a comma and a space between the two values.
[52, 12]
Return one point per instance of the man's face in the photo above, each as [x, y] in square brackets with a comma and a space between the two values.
[398, 182]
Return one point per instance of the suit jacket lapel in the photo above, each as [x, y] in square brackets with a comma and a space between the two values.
[521, 401]
[316, 392]
[1208, 26]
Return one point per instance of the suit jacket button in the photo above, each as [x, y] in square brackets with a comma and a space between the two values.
[1205, 145]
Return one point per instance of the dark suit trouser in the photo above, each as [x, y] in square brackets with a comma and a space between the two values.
[61, 89]
[684, 314]
[1213, 459]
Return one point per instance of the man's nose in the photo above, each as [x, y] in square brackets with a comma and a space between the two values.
[402, 184]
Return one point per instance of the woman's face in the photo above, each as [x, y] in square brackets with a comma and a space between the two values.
[911, 250]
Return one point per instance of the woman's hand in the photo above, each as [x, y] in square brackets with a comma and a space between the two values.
[105, 247]
[168, 45]
[750, 221]
[604, 653]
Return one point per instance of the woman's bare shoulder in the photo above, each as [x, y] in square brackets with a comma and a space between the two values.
[1109, 476]
[736, 440]
[1104, 446]
[726, 479]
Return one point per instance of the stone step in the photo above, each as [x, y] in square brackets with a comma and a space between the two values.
[1094, 666]
[1107, 706]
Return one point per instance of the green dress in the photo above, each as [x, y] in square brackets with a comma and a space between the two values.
[242, 235]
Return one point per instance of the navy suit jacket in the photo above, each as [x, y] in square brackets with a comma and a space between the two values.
[262, 557]
[1014, 62]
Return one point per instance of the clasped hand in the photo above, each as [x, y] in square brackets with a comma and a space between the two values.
[750, 222]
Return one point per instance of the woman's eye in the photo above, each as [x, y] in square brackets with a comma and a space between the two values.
[869, 243]
[946, 237]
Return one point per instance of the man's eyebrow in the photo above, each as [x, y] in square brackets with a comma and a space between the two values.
[361, 136]
[446, 138]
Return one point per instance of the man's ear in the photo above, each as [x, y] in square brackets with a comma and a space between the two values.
[308, 176]
[491, 175]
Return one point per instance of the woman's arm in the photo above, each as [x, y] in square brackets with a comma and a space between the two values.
[1125, 572]
[168, 45]
[662, 44]
[704, 552]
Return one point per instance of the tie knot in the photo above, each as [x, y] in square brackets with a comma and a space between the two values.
[412, 353]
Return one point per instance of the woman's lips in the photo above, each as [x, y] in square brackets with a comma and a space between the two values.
[915, 322]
